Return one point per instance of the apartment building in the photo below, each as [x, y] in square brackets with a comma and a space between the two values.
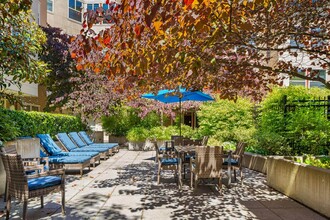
[68, 14]
[303, 61]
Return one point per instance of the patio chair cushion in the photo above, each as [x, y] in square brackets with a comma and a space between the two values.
[49, 145]
[76, 138]
[169, 161]
[66, 141]
[85, 137]
[233, 162]
[68, 159]
[43, 182]
[80, 153]
[107, 145]
[42, 154]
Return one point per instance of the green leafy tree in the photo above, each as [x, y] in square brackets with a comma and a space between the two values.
[20, 42]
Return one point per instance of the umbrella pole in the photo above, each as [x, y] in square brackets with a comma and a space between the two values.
[180, 115]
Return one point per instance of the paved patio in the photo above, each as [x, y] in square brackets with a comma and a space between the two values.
[124, 187]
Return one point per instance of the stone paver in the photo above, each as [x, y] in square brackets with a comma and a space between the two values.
[124, 187]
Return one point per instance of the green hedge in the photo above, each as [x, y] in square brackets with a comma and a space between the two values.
[22, 123]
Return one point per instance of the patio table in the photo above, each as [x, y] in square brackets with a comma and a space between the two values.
[183, 150]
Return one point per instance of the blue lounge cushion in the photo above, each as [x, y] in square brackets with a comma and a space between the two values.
[98, 146]
[42, 154]
[169, 161]
[49, 145]
[68, 159]
[43, 182]
[85, 137]
[89, 149]
[89, 154]
[89, 142]
[66, 141]
[76, 138]
[107, 145]
[233, 162]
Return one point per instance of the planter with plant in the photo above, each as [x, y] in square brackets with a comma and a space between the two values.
[137, 137]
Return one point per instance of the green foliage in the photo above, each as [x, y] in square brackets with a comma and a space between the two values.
[301, 131]
[20, 42]
[32, 123]
[323, 162]
[163, 133]
[138, 134]
[124, 118]
[8, 130]
[309, 130]
[226, 120]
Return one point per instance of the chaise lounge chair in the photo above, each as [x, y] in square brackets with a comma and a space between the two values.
[70, 146]
[70, 160]
[84, 136]
[80, 143]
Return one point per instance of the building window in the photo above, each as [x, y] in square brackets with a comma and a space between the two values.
[30, 107]
[75, 8]
[296, 81]
[322, 74]
[95, 6]
[50, 5]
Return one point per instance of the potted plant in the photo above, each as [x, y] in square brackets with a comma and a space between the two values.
[136, 138]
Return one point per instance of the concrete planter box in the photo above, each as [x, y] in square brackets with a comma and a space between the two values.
[121, 140]
[306, 184]
[255, 162]
[141, 145]
[27, 148]
[135, 145]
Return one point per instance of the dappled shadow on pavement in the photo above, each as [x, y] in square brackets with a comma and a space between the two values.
[131, 192]
[205, 202]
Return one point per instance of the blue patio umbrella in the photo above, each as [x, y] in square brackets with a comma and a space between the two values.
[180, 95]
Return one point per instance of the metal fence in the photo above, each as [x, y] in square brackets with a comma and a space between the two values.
[318, 104]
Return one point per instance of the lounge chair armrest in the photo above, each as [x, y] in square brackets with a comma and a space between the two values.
[34, 167]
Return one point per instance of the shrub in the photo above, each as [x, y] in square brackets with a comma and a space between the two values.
[8, 129]
[31, 123]
[138, 134]
[124, 118]
[225, 120]
[323, 162]
[303, 130]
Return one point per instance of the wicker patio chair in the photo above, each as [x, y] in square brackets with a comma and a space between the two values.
[234, 161]
[204, 141]
[206, 164]
[23, 187]
[167, 161]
